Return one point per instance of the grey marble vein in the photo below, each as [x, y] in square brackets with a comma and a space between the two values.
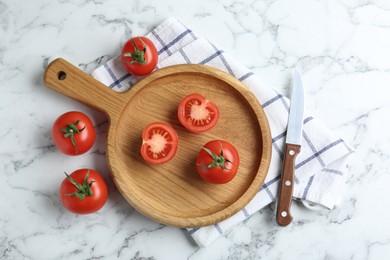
[343, 48]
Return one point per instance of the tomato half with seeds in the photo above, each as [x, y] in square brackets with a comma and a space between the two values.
[197, 114]
[159, 143]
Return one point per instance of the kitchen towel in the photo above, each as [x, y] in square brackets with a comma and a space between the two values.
[321, 166]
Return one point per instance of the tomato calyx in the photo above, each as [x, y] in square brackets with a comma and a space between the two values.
[218, 160]
[82, 189]
[138, 56]
[70, 131]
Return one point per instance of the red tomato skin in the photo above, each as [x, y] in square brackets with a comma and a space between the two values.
[181, 113]
[218, 175]
[84, 140]
[174, 137]
[89, 204]
[151, 56]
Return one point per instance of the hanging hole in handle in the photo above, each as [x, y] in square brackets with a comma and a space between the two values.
[61, 75]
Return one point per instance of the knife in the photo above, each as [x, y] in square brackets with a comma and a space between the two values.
[292, 148]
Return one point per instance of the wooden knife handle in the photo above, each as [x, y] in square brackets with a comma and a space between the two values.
[283, 215]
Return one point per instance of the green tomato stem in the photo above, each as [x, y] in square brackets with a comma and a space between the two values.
[82, 189]
[70, 131]
[218, 160]
[138, 56]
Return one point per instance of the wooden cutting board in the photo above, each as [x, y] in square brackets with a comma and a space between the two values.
[173, 193]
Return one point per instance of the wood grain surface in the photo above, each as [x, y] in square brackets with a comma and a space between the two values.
[173, 193]
[286, 188]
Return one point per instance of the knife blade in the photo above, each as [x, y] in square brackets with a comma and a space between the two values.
[292, 149]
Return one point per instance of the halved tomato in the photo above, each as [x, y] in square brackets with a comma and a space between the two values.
[159, 143]
[197, 114]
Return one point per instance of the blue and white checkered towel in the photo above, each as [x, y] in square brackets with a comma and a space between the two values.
[322, 165]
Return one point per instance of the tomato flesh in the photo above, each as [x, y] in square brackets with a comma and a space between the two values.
[159, 143]
[197, 114]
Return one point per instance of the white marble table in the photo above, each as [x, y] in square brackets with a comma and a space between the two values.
[345, 48]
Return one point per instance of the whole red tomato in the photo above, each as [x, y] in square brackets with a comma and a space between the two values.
[73, 133]
[197, 114]
[159, 143]
[83, 192]
[217, 162]
[139, 56]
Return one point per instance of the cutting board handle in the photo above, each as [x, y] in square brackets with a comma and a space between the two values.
[69, 80]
